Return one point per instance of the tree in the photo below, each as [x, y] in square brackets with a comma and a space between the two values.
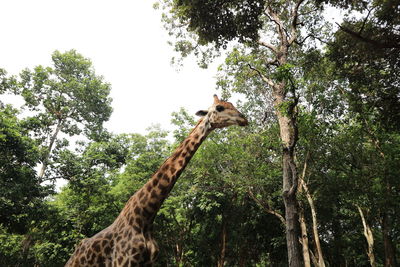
[21, 194]
[377, 27]
[365, 53]
[251, 23]
[67, 98]
[88, 199]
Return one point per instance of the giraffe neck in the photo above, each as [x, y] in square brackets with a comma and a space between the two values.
[151, 196]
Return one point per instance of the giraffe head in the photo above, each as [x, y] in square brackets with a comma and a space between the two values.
[223, 114]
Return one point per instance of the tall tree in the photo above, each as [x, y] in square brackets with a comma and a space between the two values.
[365, 53]
[21, 194]
[67, 98]
[270, 31]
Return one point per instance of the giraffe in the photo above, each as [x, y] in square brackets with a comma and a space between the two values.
[128, 240]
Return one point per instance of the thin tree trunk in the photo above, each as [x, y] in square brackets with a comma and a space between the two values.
[221, 261]
[26, 246]
[390, 252]
[178, 255]
[304, 237]
[45, 159]
[319, 257]
[242, 256]
[369, 237]
[390, 257]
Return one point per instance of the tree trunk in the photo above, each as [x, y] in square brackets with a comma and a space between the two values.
[178, 254]
[337, 258]
[304, 237]
[390, 257]
[291, 212]
[26, 246]
[292, 231]
[369, 237]
[243, 257]
[288, 133]
[285, 103]
[221, 261]
[45, 159]
[320, 257]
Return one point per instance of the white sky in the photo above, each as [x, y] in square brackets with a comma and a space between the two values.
[127, 44]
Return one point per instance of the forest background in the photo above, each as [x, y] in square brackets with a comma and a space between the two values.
[312, 181]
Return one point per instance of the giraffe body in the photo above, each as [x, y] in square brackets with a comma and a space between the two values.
[128, 241]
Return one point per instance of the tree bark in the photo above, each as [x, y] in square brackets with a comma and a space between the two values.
[45, 159]
[292, 231]
[26, 246]
[319, 259]
[178, 254]
[390, 256]
[304, 237]
[285, 110]
[221, 261]
[369, 237]
[291, 212]
[288, 134]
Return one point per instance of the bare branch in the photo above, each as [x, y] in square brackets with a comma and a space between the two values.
[377, 44]
[265, 79]
[273, 62]
[266, 207]
[308, 36]
[309, 12]
[273, 16]
[268, 45]
[365, 21]
[295, 14]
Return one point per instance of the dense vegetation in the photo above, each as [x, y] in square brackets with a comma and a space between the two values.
[319, 164]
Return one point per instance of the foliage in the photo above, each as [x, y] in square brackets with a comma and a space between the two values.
[226, 208]
[69, 92]
[67, 98]
[21, 194]
[220, 21]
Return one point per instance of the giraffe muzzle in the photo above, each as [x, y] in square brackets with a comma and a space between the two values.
[242, 121]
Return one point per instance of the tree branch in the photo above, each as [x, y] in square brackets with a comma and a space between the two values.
[268, 45]
[365, 21]
[368, 236]
[295, 14]
[273, 16]
[265, 79]
[266, 207]
[308, 36]
[302, 184]
[377, 44]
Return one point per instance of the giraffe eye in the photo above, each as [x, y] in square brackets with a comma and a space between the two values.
[219, 108]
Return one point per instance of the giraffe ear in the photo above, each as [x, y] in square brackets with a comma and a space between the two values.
[201, 113]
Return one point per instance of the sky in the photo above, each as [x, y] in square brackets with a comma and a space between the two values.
[127, 44]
